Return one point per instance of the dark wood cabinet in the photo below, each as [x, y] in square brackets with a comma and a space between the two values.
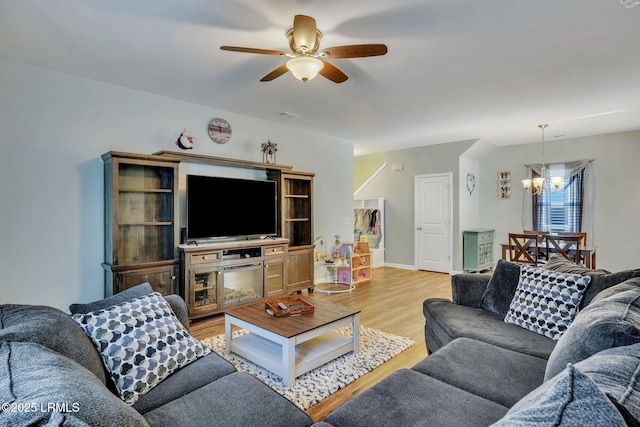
[141, 231]
[295, 192]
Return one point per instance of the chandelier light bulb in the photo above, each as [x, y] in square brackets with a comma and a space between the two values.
[539, 184]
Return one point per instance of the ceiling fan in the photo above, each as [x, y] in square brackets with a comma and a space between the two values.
[306, 60]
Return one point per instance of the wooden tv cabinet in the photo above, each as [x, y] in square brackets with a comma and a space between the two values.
[216, 276]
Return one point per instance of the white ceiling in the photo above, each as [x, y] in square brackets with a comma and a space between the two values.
[456, 70]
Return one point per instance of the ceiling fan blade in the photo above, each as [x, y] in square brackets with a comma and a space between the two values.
[275, 73]
[333, 73]
[304, 32]
[355, 51]
[252, 50]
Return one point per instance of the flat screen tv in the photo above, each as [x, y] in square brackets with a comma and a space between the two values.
[219, 207]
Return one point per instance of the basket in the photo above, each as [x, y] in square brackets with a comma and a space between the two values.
[296, 305]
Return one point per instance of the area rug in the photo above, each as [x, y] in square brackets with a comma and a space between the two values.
[376, 347]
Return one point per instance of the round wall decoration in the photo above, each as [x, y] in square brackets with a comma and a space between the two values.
[219, 131]
[471, 183]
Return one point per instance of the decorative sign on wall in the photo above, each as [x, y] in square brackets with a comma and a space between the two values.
[504, 185]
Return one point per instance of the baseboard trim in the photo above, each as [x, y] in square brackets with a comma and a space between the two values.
[404, 266]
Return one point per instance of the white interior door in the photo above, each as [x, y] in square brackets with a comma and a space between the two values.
[433, 222]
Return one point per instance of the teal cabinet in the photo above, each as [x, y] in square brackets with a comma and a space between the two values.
[477, 250]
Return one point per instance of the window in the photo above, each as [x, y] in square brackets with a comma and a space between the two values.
[561, 211]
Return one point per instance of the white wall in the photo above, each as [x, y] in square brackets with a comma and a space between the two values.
[397, 188]
[55, 127]
[469, 204]
[617, 192]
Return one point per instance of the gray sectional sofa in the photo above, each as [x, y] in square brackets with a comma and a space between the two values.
[482, 370]
[51, 374]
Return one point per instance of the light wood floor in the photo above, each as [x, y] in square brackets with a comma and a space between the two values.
[390, 302]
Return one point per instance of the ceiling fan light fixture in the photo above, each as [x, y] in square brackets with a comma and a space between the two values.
[304, 68]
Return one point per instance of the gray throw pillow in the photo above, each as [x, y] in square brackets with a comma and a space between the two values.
[546, 302]
[572, 400]
[141, 342]
[627, 285]
[52, 328]
[611, 322]
[34, 377]
[501, 287]
[124, 296]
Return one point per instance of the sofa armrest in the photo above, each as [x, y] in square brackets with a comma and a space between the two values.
[467, 289]
[179, 307]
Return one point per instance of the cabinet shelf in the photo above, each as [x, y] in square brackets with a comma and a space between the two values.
[144, 224]
[296, 196]
[297, 219]
[146, 190]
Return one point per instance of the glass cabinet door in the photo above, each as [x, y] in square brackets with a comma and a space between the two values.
[205, 289]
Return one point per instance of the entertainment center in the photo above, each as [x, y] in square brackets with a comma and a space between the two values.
[226, 260]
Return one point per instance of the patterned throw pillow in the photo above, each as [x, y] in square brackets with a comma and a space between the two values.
[546, 302]
[141, 342]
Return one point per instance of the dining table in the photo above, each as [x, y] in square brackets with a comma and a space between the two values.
[588, 252]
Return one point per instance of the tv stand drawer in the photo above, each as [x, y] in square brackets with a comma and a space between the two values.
[205, 258]
[275, 250]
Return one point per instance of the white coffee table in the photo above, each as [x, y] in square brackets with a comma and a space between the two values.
[291, 346]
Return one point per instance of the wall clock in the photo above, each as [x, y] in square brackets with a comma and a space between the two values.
[471, 183]
[219, 131]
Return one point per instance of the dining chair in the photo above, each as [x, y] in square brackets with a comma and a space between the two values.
[523, 248]
[583, 236]
[567, 246]
[542, 255]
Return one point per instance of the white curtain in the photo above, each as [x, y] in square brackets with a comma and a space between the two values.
[571, 169]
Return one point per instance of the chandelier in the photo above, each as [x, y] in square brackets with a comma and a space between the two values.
[539, 184]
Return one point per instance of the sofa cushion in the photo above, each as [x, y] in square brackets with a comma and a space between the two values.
[501, 287]
[600, 279]
[546, 302]
[610, 322]
[572, 400]
[187, 379]
[34, 376]
[447, 321]
[500, 375]
[616, 372]
[238, 399]
[141, 343]
[409, 398]
[124, 296]
[52, 328]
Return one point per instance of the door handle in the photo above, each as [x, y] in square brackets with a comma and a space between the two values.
[419, 228]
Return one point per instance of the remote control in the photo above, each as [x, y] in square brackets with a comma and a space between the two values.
[282, 305]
